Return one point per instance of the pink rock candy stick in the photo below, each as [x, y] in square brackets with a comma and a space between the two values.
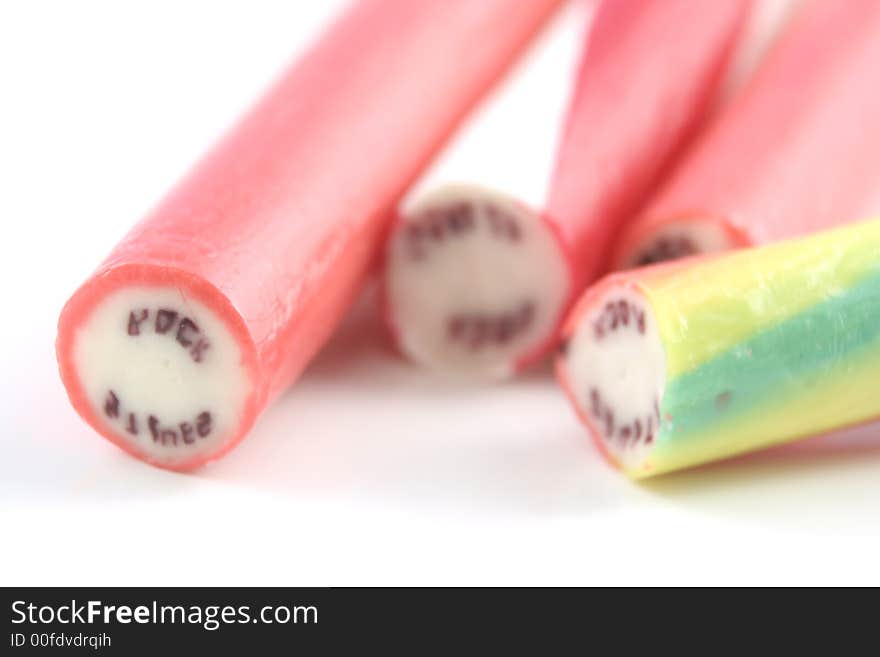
[217, 300]
[477, 281]
[797, 151]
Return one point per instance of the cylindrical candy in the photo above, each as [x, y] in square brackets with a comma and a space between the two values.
[477, 279]
[797, 151]
[699, 359]
[470, 220]
[217, 300]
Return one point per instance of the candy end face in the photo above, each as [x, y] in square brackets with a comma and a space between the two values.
[613, 369]
[475, 283]
[679, 239]
[157, 370]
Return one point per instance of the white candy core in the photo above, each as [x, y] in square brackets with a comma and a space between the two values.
[616, 368]
[474, 280]
[679, 239]
[162, 371]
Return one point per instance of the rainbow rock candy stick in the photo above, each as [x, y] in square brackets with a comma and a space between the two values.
[696, 360]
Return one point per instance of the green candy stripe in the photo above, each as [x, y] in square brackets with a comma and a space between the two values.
[774, 364]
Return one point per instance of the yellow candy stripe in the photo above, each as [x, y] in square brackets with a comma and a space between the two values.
[722, 301]
[849, 396]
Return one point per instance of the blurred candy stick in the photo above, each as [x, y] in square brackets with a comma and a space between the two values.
[797, 151]
[217, 300]
[492, 246]
[691, 361]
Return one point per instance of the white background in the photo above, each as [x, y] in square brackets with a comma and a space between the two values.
[368, 471]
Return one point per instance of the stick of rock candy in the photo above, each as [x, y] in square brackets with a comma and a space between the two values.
[480, 271]
[798, 150]
[217, 300]
[699, 359]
